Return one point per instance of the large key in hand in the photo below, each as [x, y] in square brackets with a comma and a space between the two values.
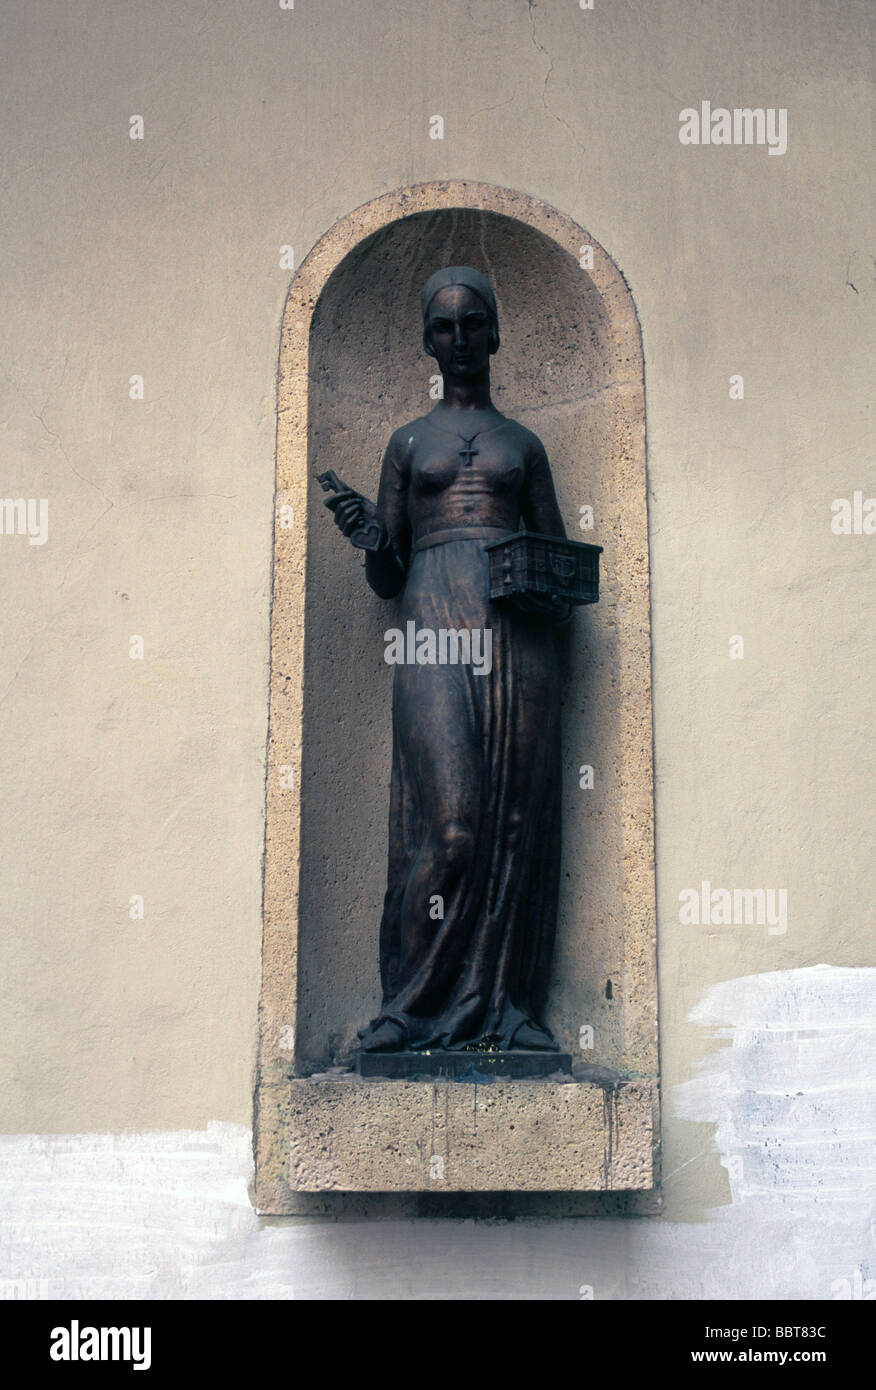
[367, 536]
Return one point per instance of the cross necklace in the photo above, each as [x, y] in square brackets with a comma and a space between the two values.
[468, 453]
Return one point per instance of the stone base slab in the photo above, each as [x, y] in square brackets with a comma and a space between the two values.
[351, 1134]
[462, 1066]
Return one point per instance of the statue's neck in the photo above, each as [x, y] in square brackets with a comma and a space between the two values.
[468, 395]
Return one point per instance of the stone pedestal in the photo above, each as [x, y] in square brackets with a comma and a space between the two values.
[339, 1132]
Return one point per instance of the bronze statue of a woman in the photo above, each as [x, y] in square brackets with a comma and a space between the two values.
[474, 826]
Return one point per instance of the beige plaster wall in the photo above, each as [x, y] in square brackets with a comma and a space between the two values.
[161, 257]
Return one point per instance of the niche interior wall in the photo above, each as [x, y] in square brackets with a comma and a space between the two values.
[351, 369]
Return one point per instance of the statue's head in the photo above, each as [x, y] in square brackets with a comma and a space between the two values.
[460, 321]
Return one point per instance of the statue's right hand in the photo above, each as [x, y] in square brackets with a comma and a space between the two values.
[349, 510]
[352, 512]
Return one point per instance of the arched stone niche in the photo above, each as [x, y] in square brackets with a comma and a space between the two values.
[352, 369]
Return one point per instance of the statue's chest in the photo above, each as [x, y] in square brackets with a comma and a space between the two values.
[467, 466]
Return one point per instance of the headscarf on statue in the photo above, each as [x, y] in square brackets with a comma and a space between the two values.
[473, 280]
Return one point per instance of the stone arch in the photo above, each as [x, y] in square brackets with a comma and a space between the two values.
[351, 369]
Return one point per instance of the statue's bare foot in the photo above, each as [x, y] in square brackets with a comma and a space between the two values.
[388, 1036]
[531, 1037]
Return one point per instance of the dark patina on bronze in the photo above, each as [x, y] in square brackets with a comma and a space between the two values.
[465, 506]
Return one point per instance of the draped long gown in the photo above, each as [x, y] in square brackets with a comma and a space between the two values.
[474, 826]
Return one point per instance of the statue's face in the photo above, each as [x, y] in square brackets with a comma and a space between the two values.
[459, 331]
